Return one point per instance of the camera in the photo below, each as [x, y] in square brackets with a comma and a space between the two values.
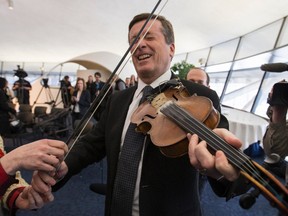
[44, 82]
[20, 73]
[280, 94]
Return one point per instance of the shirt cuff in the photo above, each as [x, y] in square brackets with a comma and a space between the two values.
[11, 200]
[5, 181]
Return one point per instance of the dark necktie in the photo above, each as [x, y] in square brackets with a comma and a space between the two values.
[126, 175]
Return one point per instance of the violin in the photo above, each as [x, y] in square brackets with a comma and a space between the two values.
[168, 116]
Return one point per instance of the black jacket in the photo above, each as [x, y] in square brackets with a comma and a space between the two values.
[169, 186]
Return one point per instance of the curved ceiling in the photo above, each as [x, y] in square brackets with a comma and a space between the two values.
[56, 31]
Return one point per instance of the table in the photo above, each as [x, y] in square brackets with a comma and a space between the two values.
[248, 127]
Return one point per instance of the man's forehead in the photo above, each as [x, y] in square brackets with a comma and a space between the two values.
[150, 25]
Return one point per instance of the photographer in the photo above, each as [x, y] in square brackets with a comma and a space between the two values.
[66, 88]
[22, 87]
[275, 140]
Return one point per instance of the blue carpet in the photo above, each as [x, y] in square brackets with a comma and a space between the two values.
[76, 199]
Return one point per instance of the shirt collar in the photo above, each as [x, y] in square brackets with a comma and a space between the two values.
[163, 78]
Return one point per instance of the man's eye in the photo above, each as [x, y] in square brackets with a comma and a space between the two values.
[132, 40]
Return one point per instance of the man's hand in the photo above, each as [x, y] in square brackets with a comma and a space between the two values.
[42, 181]
[30, 199]
[44, 155]
[214, 165]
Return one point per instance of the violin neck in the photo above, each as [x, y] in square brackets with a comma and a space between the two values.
[191, 125]
[270, 187]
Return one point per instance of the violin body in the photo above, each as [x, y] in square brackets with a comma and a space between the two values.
[166, 134]
[168, 116]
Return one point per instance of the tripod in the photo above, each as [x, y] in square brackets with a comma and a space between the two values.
[48, 93]
[65, 95]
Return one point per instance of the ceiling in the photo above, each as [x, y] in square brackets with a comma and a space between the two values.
[59, 30]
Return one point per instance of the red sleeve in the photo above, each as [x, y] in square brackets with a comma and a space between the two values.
[11, 200]
[5, 181]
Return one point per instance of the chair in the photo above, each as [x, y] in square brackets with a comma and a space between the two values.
[40, 112]
[27, 122]
[27, 118]
[55, 124]
[25, 108]
[23, 129]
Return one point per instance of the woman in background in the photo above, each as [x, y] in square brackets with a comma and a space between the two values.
[80, 100]
[133, 80]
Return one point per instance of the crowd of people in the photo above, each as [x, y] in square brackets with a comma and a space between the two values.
[77, 98]
[80, 97]
[160, 185]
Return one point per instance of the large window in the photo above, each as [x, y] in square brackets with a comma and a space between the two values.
[233, 67]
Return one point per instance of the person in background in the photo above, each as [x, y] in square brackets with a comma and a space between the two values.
[22, 88]
[5, 109]
[66, 89]
[163, 185]
[15, 192]
[80, 100]
[127, 82]
[89, 85]
[133, 80]
[275, 140]
[198, 75]
[119, 84]
[96, 88]
[97, 85]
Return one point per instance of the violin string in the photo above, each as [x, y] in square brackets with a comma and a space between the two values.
[240, 163]
[243, 162]
[79, 131]
[248, 166]
[191, 127]
[253, 171]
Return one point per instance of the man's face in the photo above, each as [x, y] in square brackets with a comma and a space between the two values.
[197, 76]
[97, 78]
[153, 56]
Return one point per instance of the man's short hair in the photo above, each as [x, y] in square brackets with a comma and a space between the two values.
[207, 75]
[97, 74]
[167, 29]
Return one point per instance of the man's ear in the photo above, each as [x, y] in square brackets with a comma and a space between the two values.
[172, 50]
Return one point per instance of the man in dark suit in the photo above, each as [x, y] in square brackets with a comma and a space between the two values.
[164, 185]
[96, 86]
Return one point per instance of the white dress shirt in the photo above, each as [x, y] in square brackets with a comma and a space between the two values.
[133, 106]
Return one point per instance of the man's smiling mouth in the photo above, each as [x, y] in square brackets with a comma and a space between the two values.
[145, 56]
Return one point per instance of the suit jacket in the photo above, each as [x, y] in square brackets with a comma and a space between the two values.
[169, 186]
[94, 88]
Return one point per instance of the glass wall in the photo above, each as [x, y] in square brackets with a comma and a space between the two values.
[233, 66]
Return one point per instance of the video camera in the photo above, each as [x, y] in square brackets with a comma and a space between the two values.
[280, 94]
[44, 82]
[20, 72]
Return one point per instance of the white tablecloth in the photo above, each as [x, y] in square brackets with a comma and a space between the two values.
[248, 127]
